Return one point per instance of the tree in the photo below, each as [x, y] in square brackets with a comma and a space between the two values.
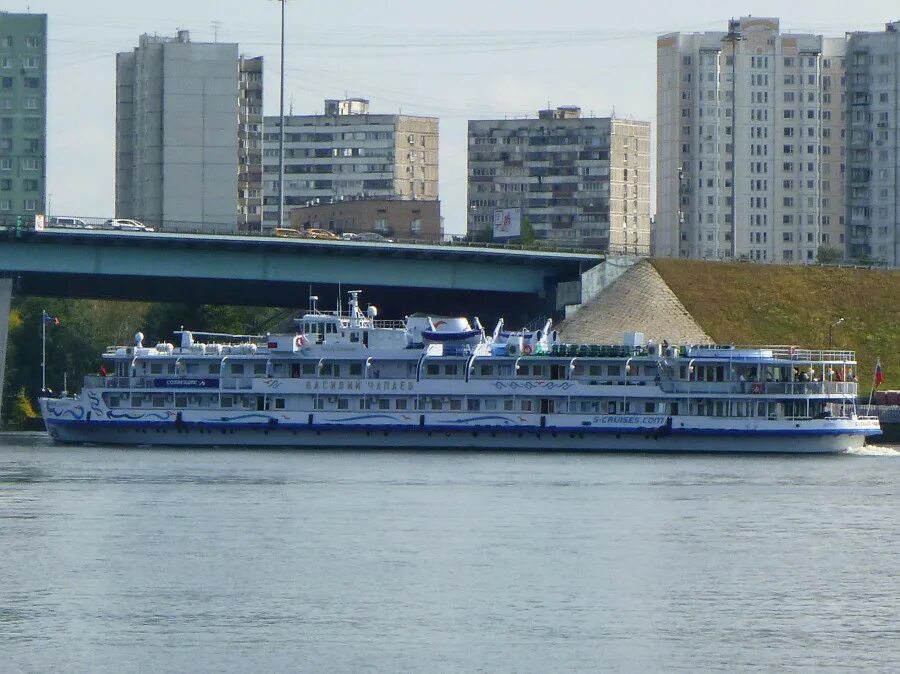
[22, 410]
[829, 255]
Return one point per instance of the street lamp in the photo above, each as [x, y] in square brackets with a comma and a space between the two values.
[281, 128]
[831, 328]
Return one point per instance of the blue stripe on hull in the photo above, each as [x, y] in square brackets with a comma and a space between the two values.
[455, 428]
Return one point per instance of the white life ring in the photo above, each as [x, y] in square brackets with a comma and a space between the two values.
[793, 352]
[300, 341]
[527, 349]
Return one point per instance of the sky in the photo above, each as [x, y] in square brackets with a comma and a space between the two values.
[459, 60]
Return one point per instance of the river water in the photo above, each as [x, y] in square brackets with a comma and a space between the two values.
[135, 560]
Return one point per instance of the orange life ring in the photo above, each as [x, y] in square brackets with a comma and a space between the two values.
[527, 349]
[300, 341]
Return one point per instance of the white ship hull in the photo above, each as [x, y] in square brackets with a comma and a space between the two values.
[639, 433]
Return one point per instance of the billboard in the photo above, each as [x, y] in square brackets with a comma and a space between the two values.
[507, 223]
[40, 221]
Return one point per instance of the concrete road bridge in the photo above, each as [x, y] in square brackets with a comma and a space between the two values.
[266, 271]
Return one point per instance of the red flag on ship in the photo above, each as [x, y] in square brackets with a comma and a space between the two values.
[879, 375]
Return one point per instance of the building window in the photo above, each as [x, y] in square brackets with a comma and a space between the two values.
[30, 204]
[31, 103]
[380, 225]
[32, 83]
[32, 42]
[5, 164]
[6, 82]
[5, 205]
[5, 185]
[30, 164]
[415, 226]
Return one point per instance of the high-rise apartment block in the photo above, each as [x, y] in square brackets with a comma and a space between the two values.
[348, 152]
[873, 129]
[577, 180]
[23, 116]
[750, 145]
[178, 108]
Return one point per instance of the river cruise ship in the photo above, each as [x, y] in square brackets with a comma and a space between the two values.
[346, 379]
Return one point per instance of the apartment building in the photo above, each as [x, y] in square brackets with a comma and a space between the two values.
[398, 219]
[750, 143]
[23, 116]
[577, 180]
[349, 152]
[182, 108]
[873, 125]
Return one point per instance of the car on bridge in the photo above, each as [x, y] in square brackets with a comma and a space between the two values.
[126, 225]
[371, 237]
[287, 233]
[321, 234]
[66, 222]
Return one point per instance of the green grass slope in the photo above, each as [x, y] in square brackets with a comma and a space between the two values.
[768, 304]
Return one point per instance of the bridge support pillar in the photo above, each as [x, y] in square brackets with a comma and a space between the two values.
[571, 295]
[5, 299]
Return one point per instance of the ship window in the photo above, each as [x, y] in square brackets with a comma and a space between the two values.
[180, 401]
[487, 370]
[596, 370]
[455, 404]
[650, 407]
[159, 401]
[214, 368]
[192, 368]
[504, 370]
[450, 369]
[114, 401]
[526, 405]
[326, 369]
[400, 403]
[155, 368]
[136, 401]
[343, 404]
[384, 404]
[170, 368]
[227, 401]
[237, 368]
[279, 403]
[523, 370]
[473, 404]
[355, 369]
[320, 404]
[490, 404]
[436, 404]
[354, 336]
[309, 368]
[508, 405]
[613, 370]
[259, 368]
[431, 369]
